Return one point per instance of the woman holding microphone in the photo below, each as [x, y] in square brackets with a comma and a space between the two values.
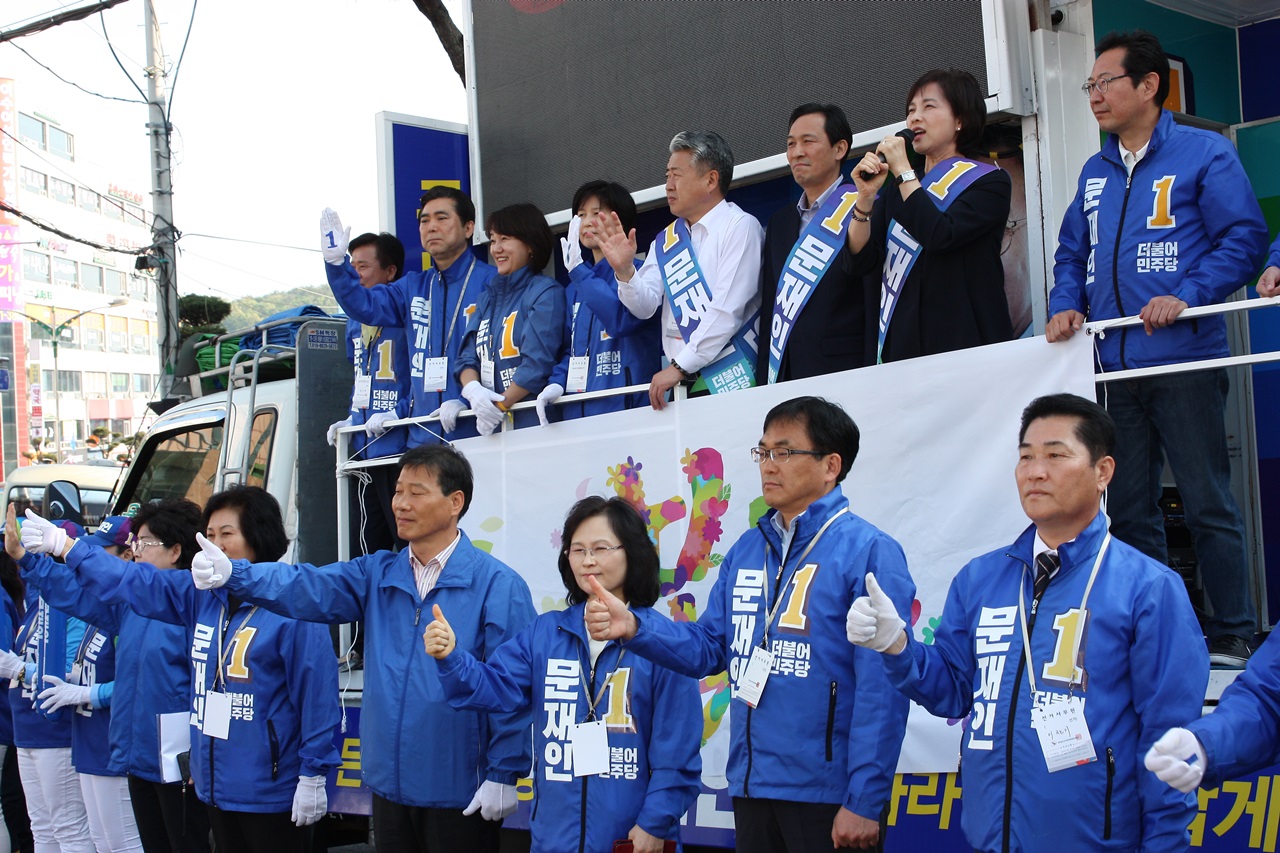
[934, 236]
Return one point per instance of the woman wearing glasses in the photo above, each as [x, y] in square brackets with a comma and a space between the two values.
[152, 673]
[935, 237]
[616, 737]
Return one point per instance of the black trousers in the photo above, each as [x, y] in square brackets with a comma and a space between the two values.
[417, 829]
[15, 804]
[170, 819]
[782, 826]
[254, 832]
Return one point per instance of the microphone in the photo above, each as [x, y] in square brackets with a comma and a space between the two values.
[906, 135]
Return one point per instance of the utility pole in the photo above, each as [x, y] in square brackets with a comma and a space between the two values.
[164, 234]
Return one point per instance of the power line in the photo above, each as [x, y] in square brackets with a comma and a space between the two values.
[53, 229]
[102, 20]
[301, 287]
[252, 242]
[173, 84]
[58, 18]
[76, 85]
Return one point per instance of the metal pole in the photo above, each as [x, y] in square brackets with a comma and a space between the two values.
[163, 233]
[57, 398]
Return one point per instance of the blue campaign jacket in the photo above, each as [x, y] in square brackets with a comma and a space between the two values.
[654, 719]
[387, 364]
[1242, 735]
[416, 749]
[46, 641]
[829, 726]
[1273, 255]
[94, 666]
[1145, 670]
[280, 673]
[419, 304]
[152, 673]
[623, 349]
[519, 324]
[1208, 212]
[9, 622]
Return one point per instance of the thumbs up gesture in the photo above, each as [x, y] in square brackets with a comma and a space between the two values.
[210, 568]
[872, 621]
[439, 639]
[607, 616]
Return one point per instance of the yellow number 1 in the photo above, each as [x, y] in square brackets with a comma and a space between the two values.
[386, 361]
[1162, 208]
[238, 667]
[834, 222]
[509, 348]
[794, 618]
[1062, 669]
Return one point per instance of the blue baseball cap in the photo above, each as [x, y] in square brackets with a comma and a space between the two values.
[114, 530]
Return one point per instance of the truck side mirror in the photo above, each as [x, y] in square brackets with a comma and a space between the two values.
[62, 502]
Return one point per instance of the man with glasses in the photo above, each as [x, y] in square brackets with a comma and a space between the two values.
[815, 727]
[1164, 220]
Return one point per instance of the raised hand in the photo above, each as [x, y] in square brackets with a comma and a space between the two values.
[873, 622]
[607, 616]
[210, 568]
[439, 639]
[333, 238]
[617, 244]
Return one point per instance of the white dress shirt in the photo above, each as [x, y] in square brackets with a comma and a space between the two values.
[727, 242]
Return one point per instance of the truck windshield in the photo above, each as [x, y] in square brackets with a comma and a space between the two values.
[178, 465]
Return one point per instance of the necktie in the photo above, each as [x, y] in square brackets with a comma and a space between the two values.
[1047, 563]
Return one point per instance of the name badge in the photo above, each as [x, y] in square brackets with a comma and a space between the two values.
[590, 745]
[751, 685]
[435, 374]
[577, 381]
[217, 715]
[363, 392]
[1064, 734]
[486, 373]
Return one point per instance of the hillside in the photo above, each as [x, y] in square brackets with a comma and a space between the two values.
[248, 310]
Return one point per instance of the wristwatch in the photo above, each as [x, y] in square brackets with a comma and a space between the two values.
[909, 175]
[688, 377]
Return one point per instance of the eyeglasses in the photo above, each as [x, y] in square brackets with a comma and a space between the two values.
[780, 454]
[1102, 83]
[140, 544]
[594, 553]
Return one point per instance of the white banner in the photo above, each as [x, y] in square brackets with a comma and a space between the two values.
[935, 471]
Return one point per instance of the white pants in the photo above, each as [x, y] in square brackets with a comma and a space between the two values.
[54, 802]
[111, 823]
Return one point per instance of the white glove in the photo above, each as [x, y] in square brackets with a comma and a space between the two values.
[210, 568]
[494, 800]
[448, 414]
[310, 800]
[42, 537]
[548, 396]
[481, 398]
[377, 423]
[1169, 757]
[333, 238]
[872, 621]
[61, 694]
[332, 435]
[488, 421]
[571, 246]
[11, 665]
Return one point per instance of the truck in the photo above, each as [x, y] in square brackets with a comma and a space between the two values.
[938, 433]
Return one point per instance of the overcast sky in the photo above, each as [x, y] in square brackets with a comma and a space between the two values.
[273, 113]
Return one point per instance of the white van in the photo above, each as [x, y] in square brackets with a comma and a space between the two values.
[25, 486]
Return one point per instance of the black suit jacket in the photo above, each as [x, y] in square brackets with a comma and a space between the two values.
[830, 333]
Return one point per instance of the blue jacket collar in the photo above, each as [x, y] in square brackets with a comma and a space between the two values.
[1079, 551]
[1164, 126]
[515, 281]
[807, 524]
[458, 572]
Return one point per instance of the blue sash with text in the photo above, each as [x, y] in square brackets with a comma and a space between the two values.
[689, 294]
[809, 260]
[944, 184]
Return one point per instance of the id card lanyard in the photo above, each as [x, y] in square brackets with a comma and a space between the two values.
[1022, 615]
[457, 306]
[772, 612]
[589, 740]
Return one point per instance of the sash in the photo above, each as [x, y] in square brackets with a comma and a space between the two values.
[944, 184]
[689, 295]
[810, 257]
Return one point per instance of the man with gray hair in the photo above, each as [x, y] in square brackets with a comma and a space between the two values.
[707, 266]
